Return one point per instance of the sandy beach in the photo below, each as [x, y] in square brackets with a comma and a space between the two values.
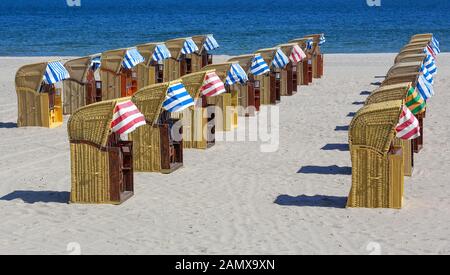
[233, 198]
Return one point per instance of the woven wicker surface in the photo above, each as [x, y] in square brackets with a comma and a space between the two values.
[193, 82]
[414, 46]
[146, 149]
[301, 42]
[389, 93]
[374, 126]
[149, 100]
[78, 68]
[244, 60]
[175, 46]
[146, 50]
[401, 78]
[200, 41]
[287, 48]
[268, 54]
[30, 76]
[404, 68]
[407, 57]
[112, 60]
[221, 69]
[92, 123]
[422, 36]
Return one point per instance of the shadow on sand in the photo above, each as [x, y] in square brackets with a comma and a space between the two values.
[312, 201]
[8, 125]
[343, 147]
[32, 197]
[342, 128]
[325, 170]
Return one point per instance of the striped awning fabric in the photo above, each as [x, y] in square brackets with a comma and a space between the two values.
[322, 40]
[212, 85]
[126, 119]
[280, 60]
[189, 46]
[96, 63]
[297, 54]
[161, 53]
[309, 44]
[415, 102]
[430, 64]
[259, 66]
[55, 72]
[132, 58]
[435, 45]
[425, 88]
[210, 43]
[408, 126]
[426, 74]
[236, 74]
[177, 99]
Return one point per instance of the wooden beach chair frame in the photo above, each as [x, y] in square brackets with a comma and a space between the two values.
[317, 56]
[305, 67]
[270, 82]
[101, 164]
[289, 81]
[149, 72]
[179, 64]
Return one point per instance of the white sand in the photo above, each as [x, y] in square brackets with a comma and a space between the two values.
[233, 198]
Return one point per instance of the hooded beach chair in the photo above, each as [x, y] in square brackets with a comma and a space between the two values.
[410, 97]
[118, 73]
[406, 57]
[151, 71]
[421, 37]
[101, 160]
[205, 44]
[230, 73]
[377, 156]
[271, 81]
[157, 146]
[305, 67]
[289, 77]
[317, 56]
[405, 68]
[38, 96]
[84, 86]
[183, 52]
[250, 94]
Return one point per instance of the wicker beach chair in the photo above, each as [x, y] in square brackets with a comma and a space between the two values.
[391, 93]
[404, 68]
[82, 88]
[101, 164]
[117, 81]
[149, 72]
[198, 121]
[317, 56]
[289, 80]
[180, 64]
[203, 57]
[421, 38]
[250, 94]
[405, 57]
[39, 102]
[304, 68]
[155, 149]
[271, 82]
[377, 158]
[227, 102]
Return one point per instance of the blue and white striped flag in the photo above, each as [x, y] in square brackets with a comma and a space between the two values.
[309, 44]
[435, 45]
[132, 58]
[161, 53]
[280, 60]
[55, 72]
[430, 64]
[236, 74]
[259, 66]
[189, 46]
[425, 88]
[210, 43]
[426, 74]
[322, 40]
[177, 99]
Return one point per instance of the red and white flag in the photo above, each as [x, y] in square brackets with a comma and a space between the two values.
[126, 119]
[297, 54]
[408, 126]
[212, 85]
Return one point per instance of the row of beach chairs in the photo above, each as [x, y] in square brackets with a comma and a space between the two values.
[387, 133]
[124, 104]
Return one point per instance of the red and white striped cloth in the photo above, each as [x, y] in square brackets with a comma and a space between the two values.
[297, 54]
[126, 119]
[408, 126]
[430, 51]
[212, 85]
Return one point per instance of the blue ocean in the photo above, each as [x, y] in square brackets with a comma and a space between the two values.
[52, 27]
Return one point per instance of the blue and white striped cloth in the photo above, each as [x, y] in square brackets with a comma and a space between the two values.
[322, 40]
[430, 64]
[96, 63]
[177, 99]
[425, 88]
[259, 66]
[280, 60]
[132, 58]
[210, 43]
[426, 74]
[55, 72]
[189, 46]
[160, 53]
[236, 74]
[309, 44]
[435, 45]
